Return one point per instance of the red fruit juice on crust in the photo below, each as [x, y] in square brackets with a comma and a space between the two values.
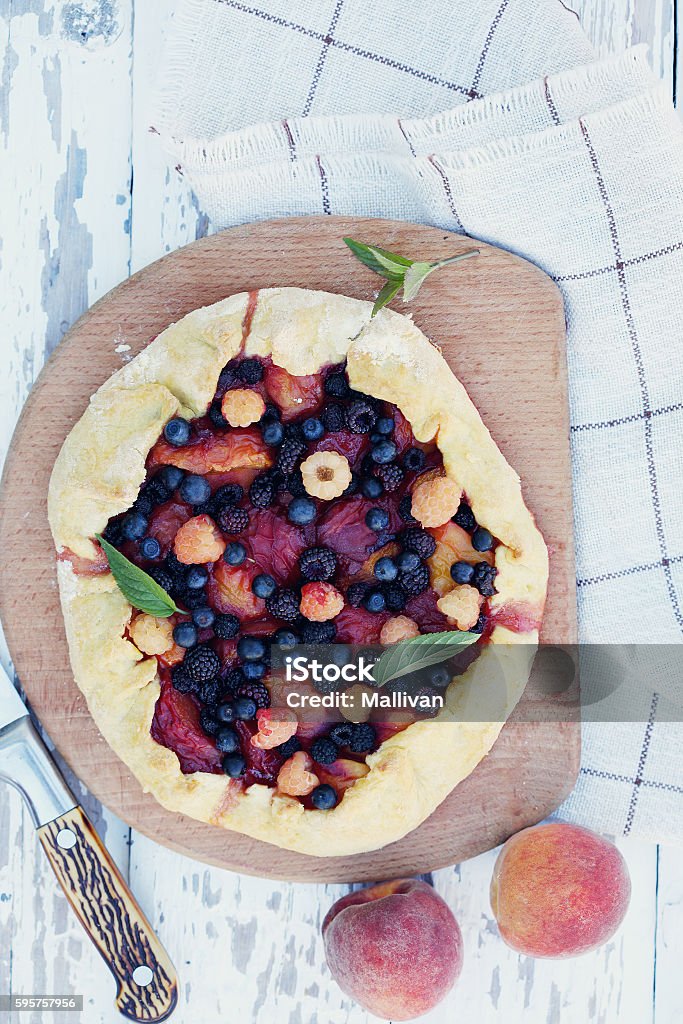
[518, 616]
[85, 566]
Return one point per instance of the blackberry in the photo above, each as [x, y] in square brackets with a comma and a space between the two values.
[286, 750]
[318, 632]
[483, 577]
[324, 751]
[113, 532]
[226, 627]
[332, 418]
[418, 540]
[226, 379]
[464, 517]
[202, 664]
[250, 371]
[271, 414]
[142, 504]
[337, 386]
[174, 567]
[163, 578]
[258, 692]
[262, 491]
[290, 454]
[208, 723]
[353, 486]
[225, 496]
[478, 627]
[360, 417]
[414, 460]
[318, 564]
[391, 476]
[234, 678]
[355, 594]
[294, 432]
[405, 509]
[203, 509]
[363, 738]
[232, 520]
[416, 581]
[341, 733]
[157, 490]
[395, 598]
[193, 599]
[284, 604]
[294, 483]
[216, 416]
[181, 679]
[211, 692]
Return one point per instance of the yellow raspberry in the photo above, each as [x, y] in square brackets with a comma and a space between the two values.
[326, 474]
[274, 728]
[151, 635]
[461, 605]
[401, 627]
[434, 501]
[320, 601]
[295, 777]
[199, 540]
[242, 407]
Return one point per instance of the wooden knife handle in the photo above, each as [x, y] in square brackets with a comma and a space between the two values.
[111, 917]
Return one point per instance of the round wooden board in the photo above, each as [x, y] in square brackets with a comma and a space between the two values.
[500, 323]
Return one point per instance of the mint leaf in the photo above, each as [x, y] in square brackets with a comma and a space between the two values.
[399, 271]
[136, 585]
[420, 652]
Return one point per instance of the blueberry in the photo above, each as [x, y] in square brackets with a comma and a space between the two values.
[384, 425]
[301, 511]
[177, 432]
[482, 540]
[150, 547]
[172, 476]
[377, 519]
[196, 577]
[203, 618]
[439, 676]
[273, 432]
[372, 487]
[185, 634]
[251, 648]
[235, 553]
[245, 708]
[227, 741]
[254, 670]
[263, 585]
[225, 713]
[407, 561]
[134, 526]
[374, 601]
[462, 572]
[384, 452]
[386, 569]
[234, 765]
[195, 489]
[312, 428]
[323, 797]
[286, 638]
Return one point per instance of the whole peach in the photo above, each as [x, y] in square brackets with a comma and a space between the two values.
[559, 890]
[395, 948]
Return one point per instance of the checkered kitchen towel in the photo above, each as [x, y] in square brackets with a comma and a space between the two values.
[492, 118]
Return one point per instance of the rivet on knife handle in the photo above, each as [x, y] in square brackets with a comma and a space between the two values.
[147, 987]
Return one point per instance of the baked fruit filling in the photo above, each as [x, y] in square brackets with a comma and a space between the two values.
[296, 511]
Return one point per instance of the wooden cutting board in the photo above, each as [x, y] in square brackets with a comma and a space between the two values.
[500, 323]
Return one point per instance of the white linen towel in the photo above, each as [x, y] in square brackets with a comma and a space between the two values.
[493, 118]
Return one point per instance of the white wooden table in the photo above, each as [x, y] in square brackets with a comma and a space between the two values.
[74, 109]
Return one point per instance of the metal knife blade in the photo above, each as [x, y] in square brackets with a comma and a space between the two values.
[12, 706]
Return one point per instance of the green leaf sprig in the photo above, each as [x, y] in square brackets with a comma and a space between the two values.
[398, 271]
[408, 656]
[136, 585]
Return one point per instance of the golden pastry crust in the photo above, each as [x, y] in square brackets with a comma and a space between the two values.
[99, 471]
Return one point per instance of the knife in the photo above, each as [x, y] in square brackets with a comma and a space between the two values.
[146, 982]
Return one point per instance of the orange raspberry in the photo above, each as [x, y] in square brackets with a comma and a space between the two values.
[399, 628]
[434, 501]
[462, 605]
[326, 475]
[242, 407]
[199, 540]
[274, 728]
[295, 777]
[320, 601]
[151, 635]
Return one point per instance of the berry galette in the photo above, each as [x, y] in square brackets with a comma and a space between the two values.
[289, 470]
